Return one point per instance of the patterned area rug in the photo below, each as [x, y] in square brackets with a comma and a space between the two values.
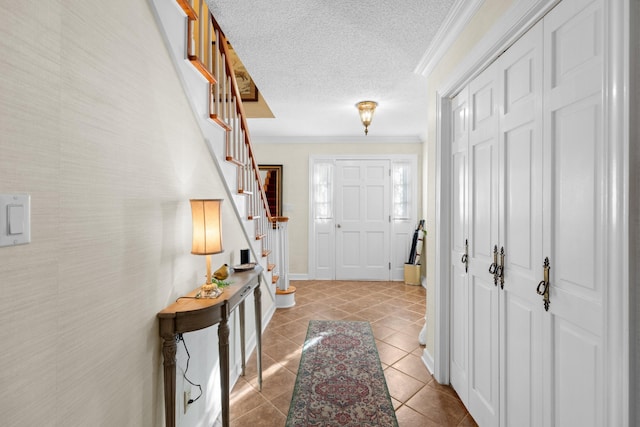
[340, 382]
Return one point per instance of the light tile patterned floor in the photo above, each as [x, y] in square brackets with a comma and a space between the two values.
[396, 314]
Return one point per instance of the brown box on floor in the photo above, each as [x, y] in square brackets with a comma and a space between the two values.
[412, 274]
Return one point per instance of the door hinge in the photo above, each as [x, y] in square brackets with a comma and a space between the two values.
[389, 266]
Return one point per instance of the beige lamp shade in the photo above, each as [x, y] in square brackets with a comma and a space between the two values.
[207, 229]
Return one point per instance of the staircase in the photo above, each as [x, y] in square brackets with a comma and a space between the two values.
[201, 53]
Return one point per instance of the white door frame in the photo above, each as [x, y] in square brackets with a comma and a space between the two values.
[515, 22]
[415, 192]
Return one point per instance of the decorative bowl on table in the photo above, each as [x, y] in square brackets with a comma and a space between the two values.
[244, 267]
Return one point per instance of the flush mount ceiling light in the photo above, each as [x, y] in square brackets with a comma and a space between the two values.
[366, 109]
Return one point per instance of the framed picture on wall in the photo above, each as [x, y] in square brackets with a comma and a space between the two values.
[246, 85]
[272, 184]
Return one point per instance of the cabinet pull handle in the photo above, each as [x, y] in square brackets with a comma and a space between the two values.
[543, 286]
[465, 257]
[500, 272]
[494, 265]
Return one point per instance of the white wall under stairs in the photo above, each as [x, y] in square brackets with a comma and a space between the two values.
[173, 23]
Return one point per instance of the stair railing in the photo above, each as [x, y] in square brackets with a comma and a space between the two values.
[208, 51]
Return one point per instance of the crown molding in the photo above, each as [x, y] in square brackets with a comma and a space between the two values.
[457, 19]
[369, 139]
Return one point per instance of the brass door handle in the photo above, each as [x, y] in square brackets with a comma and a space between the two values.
[494, 265]
[543, 286]
[492, 268]
[500, 272]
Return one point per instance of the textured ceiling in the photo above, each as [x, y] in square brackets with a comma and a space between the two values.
[312, 60]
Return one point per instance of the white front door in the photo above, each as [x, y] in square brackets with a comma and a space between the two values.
[362, 220]
[575, 207]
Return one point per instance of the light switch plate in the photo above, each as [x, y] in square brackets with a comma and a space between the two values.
[15, 219]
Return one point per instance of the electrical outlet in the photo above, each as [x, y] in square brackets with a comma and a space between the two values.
[187, 398]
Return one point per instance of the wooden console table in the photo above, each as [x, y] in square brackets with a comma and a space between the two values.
[189, 314]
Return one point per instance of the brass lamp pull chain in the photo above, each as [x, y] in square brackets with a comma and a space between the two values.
[465, 257]
[543, 286]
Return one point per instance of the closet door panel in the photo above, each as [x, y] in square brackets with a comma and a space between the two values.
[484, 350]
[483, 236]
[459, 223]
[575, 195]
[459, 333]
[520, 400]
[484, 174]
[520, 211]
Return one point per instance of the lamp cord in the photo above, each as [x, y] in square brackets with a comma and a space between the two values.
[184, 375]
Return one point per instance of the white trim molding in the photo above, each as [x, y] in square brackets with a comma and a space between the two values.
[632, 88]
[427, 359]
[412, 159]
[459, 16]
[370, 139]
[443, 203]
[513, 24]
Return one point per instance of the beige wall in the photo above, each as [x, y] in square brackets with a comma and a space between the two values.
[486, 16]
[94, 125]
[295, 161]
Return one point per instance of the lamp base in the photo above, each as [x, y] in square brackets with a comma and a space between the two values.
[210, 291]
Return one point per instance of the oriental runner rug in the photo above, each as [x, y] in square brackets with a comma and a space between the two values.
[340, 382]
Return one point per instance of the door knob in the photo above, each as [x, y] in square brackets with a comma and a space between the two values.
[339, 226]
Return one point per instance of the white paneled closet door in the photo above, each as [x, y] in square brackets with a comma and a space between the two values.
[531, 188]
[575, 207]
[537, 190]
[521, 230]
[484, 358]
[459, 248]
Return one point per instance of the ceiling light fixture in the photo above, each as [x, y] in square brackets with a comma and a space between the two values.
[366, 109]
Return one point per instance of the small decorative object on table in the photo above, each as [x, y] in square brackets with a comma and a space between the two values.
[244, 267]
[210, 290]
[221, 273]
[213, 289]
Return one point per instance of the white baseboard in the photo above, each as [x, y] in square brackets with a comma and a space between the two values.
[266, 318]
[298, 276]
[428, 361]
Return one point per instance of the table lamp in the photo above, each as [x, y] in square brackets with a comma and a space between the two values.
[207, 237]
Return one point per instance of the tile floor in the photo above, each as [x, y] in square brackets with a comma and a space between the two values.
[396, 314]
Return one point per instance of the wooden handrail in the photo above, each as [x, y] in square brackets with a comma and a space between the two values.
[227, 110]
[222, 45]
[210, 74]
